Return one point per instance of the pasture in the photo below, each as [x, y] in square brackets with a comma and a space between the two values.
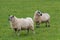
[26, 8]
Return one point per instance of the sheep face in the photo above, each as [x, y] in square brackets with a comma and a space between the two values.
[11, 18]
[38, 13]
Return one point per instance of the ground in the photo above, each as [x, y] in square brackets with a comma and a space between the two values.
[26, 8]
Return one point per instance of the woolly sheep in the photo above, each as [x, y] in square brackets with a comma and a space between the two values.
[41, 18]
[19, 24]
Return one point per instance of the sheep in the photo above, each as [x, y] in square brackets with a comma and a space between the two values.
[40, 17]
[18, 24]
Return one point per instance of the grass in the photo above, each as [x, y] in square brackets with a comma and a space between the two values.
[25, 8]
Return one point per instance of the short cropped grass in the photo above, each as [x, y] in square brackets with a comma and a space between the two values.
[26, 8]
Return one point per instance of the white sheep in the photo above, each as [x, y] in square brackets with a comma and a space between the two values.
[41, 18]
[19, 24]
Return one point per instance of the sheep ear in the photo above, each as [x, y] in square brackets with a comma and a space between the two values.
[41, 14]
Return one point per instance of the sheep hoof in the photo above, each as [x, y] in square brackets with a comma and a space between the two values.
[48, 25]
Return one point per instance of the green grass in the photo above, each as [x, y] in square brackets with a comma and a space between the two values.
[26, 8]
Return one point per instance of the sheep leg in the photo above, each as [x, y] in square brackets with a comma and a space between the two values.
[37, 24]
[28, 30]
[32, 30]
[48, 24]
[18, 31]
[15, 29]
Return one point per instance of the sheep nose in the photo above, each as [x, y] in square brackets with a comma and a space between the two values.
[41, 14]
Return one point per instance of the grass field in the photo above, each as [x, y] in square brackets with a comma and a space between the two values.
[25, 8]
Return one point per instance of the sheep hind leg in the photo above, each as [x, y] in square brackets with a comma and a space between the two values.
[28, 30]
[47, 24]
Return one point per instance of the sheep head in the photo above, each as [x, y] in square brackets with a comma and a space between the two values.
[38, 13]
[11, 18]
